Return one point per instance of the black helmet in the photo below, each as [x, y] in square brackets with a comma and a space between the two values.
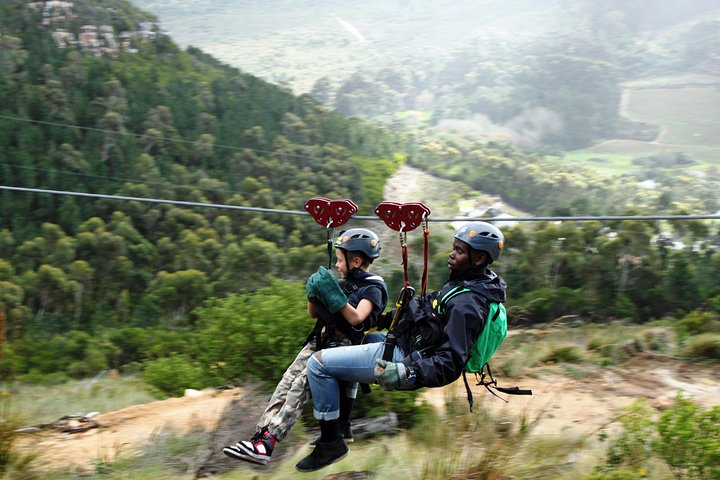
[484, 237]
[359, 240]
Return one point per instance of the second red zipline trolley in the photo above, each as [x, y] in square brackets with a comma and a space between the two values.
[403, 218]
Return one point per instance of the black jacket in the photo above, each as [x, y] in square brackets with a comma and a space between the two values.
[437, 345]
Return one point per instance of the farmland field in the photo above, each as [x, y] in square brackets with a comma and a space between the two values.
[689, 117]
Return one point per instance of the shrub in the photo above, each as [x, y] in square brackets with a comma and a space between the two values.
[13, 464]
[525, 354]
[566, 353]
[706, 346]
[695, 323]
[685, 438]
[172, 375]
[621, 474]
[688, 440]
[632, 446]
[615, 344]
[658, 339]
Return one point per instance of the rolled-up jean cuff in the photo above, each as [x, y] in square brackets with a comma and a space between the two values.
[327, 416]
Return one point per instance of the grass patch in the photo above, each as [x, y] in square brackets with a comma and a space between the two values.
[608, 163]
[689, 115]
[41, 404]
[705, 346]
[13, 464]
[565, 353]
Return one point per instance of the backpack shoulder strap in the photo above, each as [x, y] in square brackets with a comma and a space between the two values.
[449, 295]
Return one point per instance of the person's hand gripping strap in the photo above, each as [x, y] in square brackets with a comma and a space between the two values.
[322, 286]
[390, 375]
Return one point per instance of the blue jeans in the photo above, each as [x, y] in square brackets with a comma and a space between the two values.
[355, 364]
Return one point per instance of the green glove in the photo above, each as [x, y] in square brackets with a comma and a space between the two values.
[323, 286]
[310, 287]
[387, 374]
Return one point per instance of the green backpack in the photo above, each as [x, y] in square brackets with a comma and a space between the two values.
[484, 347]
[491, 337]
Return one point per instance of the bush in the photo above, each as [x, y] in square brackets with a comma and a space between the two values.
[617, 344]
[255, 335]
[658, 340]
[621, 474]
[13, 464]
[566, 353]
[695, 323]
[527, 351]
[172, 375]
[688, 440]
[632, 446]
[685, 438]
[705, 346]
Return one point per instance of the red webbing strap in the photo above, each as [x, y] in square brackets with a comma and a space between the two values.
[426, 253]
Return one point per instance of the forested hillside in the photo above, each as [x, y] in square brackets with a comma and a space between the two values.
[97, 98]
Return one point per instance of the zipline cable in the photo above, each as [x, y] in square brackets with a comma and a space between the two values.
[121, 179]
[368, 217]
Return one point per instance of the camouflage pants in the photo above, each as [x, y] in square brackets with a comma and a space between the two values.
[291, 394]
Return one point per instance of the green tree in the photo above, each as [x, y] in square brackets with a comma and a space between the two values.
[50, 291]
[177, 293]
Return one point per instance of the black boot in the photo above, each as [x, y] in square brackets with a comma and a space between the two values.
[324, 454]
[346, 408]
[344, 430]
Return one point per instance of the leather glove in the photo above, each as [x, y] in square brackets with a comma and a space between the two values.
[387, 374]
[322, 286]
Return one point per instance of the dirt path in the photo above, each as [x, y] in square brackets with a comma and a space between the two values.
[410, 184]
[129, 431]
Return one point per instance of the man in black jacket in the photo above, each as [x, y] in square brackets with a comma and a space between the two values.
[433, 340]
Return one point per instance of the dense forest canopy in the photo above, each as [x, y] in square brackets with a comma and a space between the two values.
[112, 106]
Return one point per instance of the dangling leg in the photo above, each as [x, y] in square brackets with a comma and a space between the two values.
[281, 413]
[325, 369]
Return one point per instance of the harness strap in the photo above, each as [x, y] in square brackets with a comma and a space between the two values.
[426, 254]
[405, 296]
[404, 250]
[330, 246]
[491, 383]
